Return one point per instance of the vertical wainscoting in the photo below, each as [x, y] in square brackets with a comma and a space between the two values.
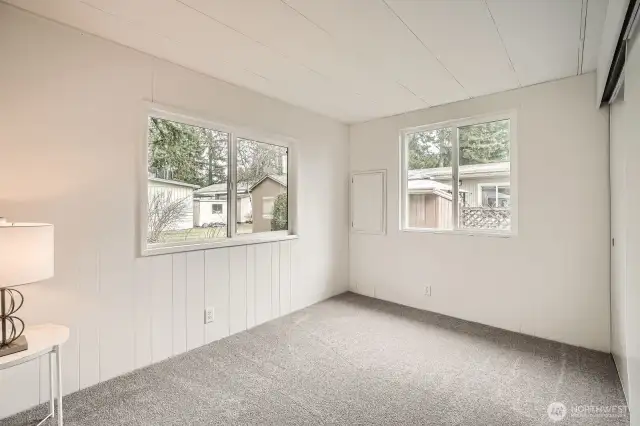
[154, 310]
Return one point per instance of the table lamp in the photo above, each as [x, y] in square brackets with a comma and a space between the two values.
[26, 256]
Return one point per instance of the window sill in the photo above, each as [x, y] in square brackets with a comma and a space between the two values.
[465, 232]
[208, 245]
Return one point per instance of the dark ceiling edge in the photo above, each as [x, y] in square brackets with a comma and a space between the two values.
[619, 55]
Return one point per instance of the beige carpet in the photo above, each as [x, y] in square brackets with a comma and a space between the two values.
[353, 360]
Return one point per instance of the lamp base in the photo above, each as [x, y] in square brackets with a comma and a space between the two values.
[19, 345]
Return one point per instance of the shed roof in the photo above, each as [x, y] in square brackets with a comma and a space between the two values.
[281, 179]
[219, 188]
[172, 182]
[429, 186]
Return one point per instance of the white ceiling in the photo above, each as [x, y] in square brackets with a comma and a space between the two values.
[354, 60]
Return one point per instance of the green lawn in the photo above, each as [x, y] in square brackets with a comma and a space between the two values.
[196, 234]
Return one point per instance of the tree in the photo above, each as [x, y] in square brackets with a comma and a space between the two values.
[430, 149]
[478, 143]
[256, 160]
[484, 143]
[187, 153]
[280, 219]
[215, 154]
[175, 151]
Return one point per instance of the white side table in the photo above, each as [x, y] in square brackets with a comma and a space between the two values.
[43, 339]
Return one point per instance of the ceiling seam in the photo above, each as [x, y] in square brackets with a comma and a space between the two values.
[131, 22]
[583, 32]
[333, 38]
[504, 46]
[426, 47]
[119, 17]
[306, 18]
[428, 105]
[271, 49]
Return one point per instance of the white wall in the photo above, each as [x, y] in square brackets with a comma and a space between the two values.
[625, 205]
[71, 121]
[554, 280]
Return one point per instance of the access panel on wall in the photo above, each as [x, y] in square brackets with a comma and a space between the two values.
[369, 202]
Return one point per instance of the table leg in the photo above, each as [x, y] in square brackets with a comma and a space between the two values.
[51, 385]
[59, 368]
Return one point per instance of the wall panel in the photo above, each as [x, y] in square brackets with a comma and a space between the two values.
[275, 280]
[195, 299]
[179, 303]
[264, 295]
[161, 307]
[285, 277]
[237, 289]
[142, 313]
[251, 286]
[217, 293]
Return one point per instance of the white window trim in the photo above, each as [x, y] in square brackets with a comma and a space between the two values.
[152, 109]
[455, 123]
[495, 185]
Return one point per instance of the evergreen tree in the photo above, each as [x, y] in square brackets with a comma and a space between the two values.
[430, 149]
[175, 151]
[216, 148]
[187, 153]
[478, 144]
[484, 143]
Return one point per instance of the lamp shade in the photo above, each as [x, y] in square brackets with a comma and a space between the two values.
[26, 253]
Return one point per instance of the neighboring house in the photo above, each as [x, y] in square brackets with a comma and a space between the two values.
[211, 205]
[263, 195]
[167, 191]
[430, 193]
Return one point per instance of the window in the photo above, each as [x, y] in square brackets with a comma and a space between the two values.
[262, 174]
[457, 176]
[267, 207]
[205, 181]
[216, 208]
[493, 195]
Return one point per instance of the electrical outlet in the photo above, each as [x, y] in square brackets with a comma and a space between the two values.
[427, 290]
[208, 315]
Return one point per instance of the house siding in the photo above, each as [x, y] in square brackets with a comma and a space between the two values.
[471, 186]
[204, 211]
[175, 191]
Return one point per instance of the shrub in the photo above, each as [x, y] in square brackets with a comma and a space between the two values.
[280, 220]
[165, 213]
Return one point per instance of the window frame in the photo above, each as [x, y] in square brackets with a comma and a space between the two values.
[235, 132]
[455, 124]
